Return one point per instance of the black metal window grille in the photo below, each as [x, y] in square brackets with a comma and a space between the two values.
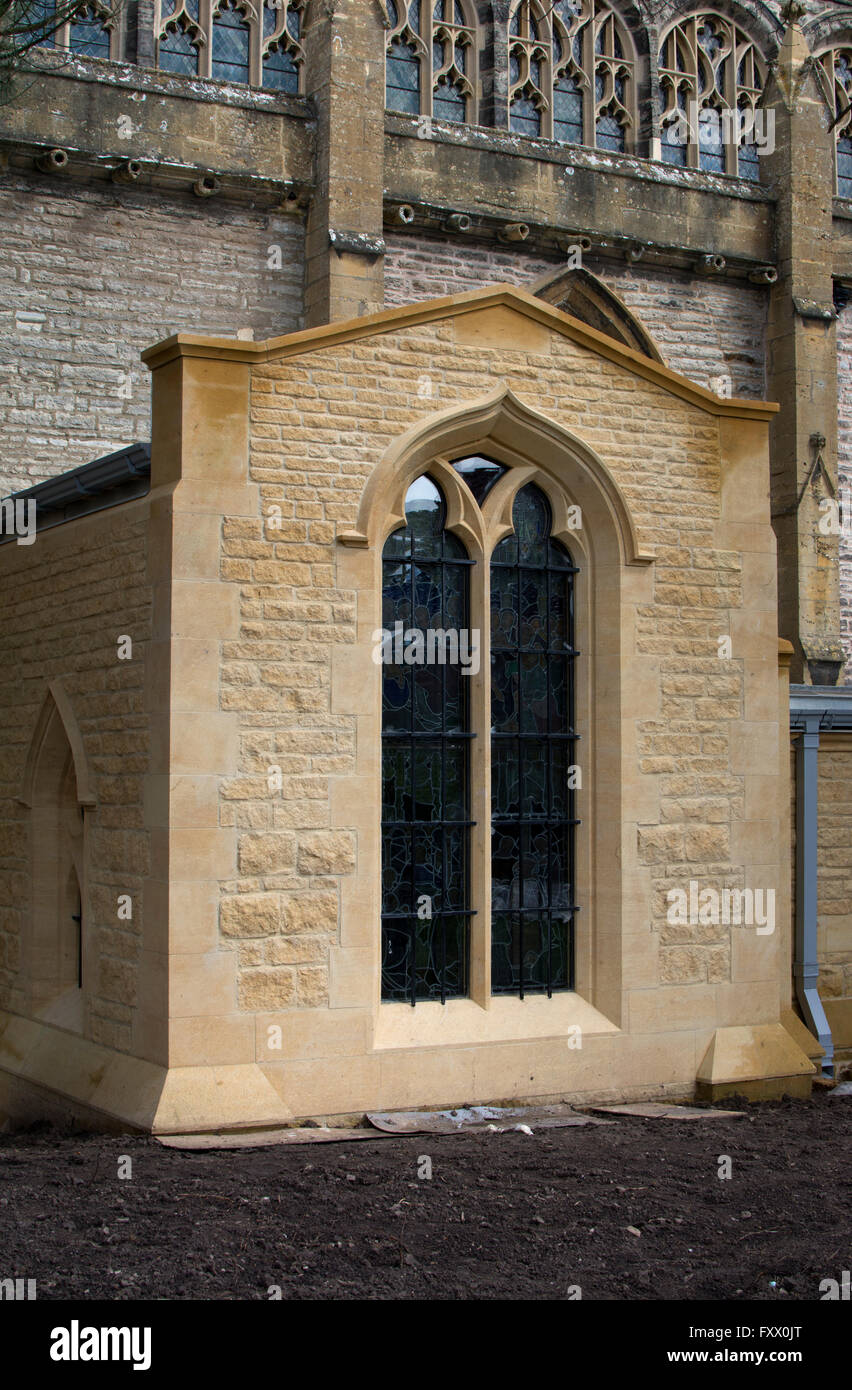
[425, 760]
[533, 740]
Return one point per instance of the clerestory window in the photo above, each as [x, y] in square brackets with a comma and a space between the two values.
[711, 79]
[572, 74]
[431, 59]
[242, 42]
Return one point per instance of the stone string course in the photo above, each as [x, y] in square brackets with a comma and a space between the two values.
[89, 277]
[65, 606]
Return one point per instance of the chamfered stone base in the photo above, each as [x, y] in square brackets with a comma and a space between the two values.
[758, 1061]
[46, 1073]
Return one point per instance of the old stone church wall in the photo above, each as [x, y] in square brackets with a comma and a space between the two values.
[710, 330]
[89, 277]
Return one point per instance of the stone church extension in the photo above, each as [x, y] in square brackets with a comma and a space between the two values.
[435, 689]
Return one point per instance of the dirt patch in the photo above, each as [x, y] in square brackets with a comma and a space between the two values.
[502, 1216]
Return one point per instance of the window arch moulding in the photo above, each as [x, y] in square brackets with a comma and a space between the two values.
[56, 702]
[499, 419]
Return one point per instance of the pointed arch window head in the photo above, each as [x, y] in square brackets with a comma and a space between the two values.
[533, 816]
[244, 42]
[711, 79]
[94, 32]
[837, 63]
[572, 74]
[425, 756]
[431, 59]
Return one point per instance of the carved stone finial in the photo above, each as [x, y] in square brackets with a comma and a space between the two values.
[792, 12]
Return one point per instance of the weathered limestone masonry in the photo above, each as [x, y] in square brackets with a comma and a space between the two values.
[835, 875]
[711, 330]
[95, 262]
[844, 478]
[72, 386]
[802, 360]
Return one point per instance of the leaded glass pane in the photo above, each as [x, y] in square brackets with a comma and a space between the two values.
[567, 112]
[88, 37]
[42, 13]
[280, 72]
[177, 52]
[609, 134]
[525, 117]
[425, 740]
[403, 79]
[844, 168]
[230, 52]
[449, 103]
[532, 742]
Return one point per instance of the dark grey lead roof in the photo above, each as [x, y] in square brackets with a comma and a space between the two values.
[832, 703]
[105, 482]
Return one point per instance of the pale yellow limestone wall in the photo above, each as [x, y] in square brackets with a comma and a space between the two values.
[696, 797]
[65, 601]
[834, 892]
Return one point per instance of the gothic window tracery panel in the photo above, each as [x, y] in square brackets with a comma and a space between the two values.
[431, 59]
[572, 74]
[837, 63]
[94, 32]
[532, 741]
[711, 78]
[425, 757]
[245, 42]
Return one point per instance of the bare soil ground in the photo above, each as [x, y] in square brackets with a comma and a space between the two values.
[504, 1216]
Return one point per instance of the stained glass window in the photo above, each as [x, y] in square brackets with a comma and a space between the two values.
[230, 58]
[532, 753]
[837, 63]
[425, 756]
[711, 79]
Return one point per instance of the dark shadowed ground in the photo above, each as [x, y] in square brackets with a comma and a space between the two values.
[503, 1216]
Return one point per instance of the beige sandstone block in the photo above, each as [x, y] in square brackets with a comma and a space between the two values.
[266, 854]
[327, 852]
[268, 988]
[202, 985]
[252, 914]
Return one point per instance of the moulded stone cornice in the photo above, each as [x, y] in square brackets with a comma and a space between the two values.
[453, 306]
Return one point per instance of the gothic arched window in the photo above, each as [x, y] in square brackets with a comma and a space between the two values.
[93, 32]
[431, 59]
[532, 743]
[507, 926]
[250, 42]
[711, 78]
[425, 756]
[838, 68]
[571, 74]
